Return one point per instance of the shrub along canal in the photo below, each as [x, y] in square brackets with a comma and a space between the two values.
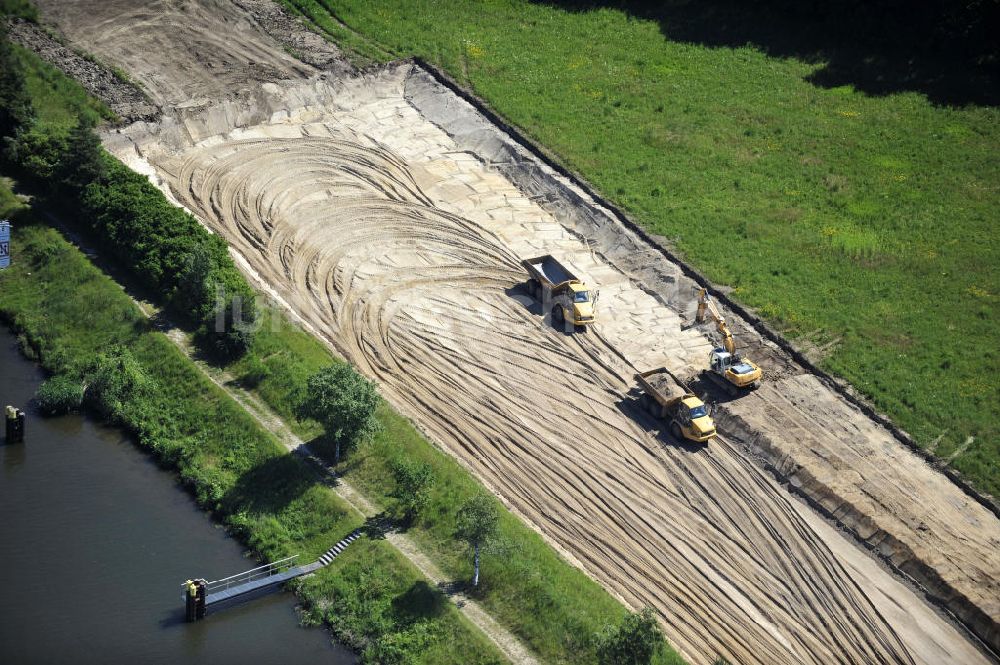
[95, 541]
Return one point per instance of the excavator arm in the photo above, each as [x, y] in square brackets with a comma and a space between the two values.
[706, 304]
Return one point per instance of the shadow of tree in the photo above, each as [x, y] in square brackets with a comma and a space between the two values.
[377, 526]
[420, 601]
[269, 486]
[945, 50]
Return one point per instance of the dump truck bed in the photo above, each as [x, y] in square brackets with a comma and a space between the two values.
[662, 385]
[548, 270]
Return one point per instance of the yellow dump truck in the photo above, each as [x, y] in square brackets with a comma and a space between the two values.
[667, 398]
[556, 288]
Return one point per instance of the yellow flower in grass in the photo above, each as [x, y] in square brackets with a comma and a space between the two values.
[474, 50]
[978, 292]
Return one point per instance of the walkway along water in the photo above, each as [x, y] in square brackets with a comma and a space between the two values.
[201, 594]
[95, 539]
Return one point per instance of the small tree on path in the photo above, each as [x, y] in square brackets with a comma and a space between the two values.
[478, 525]
[413, 485]
[344, 402]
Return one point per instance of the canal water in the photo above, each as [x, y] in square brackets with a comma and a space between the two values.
[95, 541]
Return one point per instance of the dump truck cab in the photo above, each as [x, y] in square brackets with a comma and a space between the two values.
[694, 421]
[582, 304]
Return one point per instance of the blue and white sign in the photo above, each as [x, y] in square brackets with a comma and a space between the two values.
[4, 244]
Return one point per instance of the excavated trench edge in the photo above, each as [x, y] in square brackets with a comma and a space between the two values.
[979, 626]
[838, 385]
[828, 504]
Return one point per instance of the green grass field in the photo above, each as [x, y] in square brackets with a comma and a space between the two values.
[866, 221]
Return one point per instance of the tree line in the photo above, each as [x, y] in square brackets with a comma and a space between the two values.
[163, 247]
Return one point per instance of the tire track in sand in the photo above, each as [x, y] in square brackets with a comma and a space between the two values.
[418, 299]
[223, 53]
[379, 306]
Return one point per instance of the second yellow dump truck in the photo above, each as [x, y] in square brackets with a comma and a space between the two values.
[666, 397]
[555, 287]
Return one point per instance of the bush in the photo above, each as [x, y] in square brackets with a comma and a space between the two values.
[19, 8]
[403, 647]
[173, 255]
[114, 380]
[16, 110]
[229, 328]
[413, 485]
[163, 246]
[60, 394]
[255, 372]
[81, 161]
[632, 642]
[37, 154]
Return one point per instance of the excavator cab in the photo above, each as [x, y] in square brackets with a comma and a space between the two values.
[718, 360]
[738, 372]
[722, 361]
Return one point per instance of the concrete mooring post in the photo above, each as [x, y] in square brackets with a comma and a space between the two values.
[15, 425]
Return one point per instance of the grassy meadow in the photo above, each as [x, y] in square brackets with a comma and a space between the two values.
[854, 210]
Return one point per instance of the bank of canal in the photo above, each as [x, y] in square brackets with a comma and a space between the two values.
[95, 540]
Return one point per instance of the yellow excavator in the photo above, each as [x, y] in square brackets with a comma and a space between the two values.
[727, 368]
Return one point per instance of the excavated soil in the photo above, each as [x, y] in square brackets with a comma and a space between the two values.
[391, 217]
[123, 98]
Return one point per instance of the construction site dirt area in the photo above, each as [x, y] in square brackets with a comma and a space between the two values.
[391, 217]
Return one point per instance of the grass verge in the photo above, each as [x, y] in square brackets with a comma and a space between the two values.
[360, 50]
[860, 225]
[65, 312]
[164, 247]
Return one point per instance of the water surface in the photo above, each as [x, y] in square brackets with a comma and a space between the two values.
[95, 541]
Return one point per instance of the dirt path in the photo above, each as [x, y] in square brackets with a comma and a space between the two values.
[392, 221]
[506, 641]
